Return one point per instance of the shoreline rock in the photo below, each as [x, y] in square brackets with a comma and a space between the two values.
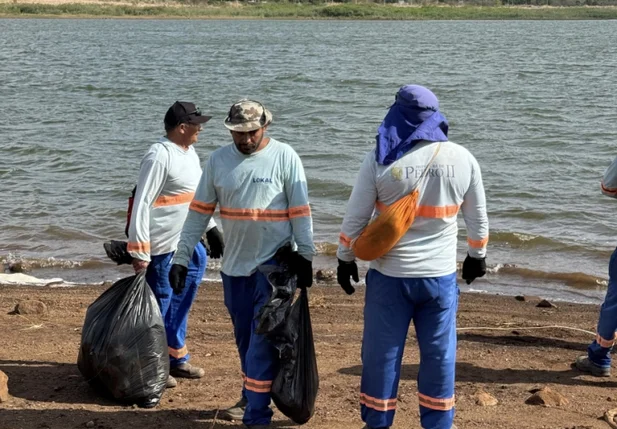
[546, 397]
[4, 387]
[30, 307]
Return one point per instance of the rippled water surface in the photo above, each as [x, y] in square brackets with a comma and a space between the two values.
[81, 101]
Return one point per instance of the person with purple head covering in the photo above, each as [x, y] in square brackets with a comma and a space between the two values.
[416, 279]
[413, 117]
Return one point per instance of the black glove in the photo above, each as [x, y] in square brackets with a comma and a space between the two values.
[215, 243]
[177, 278]
[473, 268]
[117, 252]
[344, 272]
[303, 268]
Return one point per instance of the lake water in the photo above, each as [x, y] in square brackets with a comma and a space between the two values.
[534, 101]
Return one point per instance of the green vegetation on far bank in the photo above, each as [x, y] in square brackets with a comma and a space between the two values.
[305, 11]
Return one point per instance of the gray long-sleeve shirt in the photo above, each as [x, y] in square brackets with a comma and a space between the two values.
[263, 202]
[428, 249]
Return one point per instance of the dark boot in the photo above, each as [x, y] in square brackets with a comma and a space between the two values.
[186, 370]
[583, 363]
[171, 382]
[235, 412]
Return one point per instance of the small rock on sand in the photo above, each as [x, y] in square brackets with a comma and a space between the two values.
[30, 307]
[4, 387]
[546, 397]
[485, 399]
[546, 304]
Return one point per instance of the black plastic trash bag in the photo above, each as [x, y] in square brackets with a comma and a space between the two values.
[273, 315]
[288, 327]
[123, 349]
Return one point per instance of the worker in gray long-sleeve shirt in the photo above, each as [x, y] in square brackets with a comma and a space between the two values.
[598, 358]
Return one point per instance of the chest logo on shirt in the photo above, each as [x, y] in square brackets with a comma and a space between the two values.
[397, 173]
[262, 180]
[415, 172]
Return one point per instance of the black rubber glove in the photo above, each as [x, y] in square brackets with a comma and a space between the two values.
[345, 272]
[215, 243]
[304, 270]
[473, 268]
[117, 252]
[177, 278]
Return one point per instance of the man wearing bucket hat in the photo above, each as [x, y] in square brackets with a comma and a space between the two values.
[412, 186]
[260, 187]
[168, 177]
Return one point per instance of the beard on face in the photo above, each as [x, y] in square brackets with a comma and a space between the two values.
[249, 147]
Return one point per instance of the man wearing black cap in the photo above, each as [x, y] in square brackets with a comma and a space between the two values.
[168, 177]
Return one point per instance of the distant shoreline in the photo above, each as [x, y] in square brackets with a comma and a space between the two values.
[347, 11]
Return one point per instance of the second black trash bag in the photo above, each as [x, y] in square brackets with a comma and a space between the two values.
[288, 327]
[123, 349]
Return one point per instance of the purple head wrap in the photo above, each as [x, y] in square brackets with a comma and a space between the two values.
[413, 117]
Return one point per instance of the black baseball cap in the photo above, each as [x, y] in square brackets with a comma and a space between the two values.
[182, 112]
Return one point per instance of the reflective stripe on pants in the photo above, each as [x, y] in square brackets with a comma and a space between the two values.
[391, 304]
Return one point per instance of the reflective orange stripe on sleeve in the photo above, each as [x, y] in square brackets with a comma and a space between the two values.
[203, 208]
[477, 244]
[255, 214]
[299, 211]
[438, 404]
[174, 200]
[178, 353]
[133, 246]
[257, 385]
[344, 240]
[377, 404]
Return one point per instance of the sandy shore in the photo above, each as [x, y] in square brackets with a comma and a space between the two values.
[38, 353]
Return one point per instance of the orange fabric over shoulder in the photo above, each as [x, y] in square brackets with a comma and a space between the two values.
[382, 234]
